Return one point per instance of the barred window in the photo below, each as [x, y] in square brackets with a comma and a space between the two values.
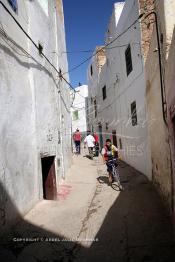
[134, 113]
[104, 92]
[128, 59]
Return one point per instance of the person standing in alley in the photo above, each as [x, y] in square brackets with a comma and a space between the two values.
[96, 144]
[77, 141]
[90, 141]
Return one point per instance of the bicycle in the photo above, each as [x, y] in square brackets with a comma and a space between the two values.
[115, 173]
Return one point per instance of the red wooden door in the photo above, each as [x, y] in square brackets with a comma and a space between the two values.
[50, 184]
[49, 178]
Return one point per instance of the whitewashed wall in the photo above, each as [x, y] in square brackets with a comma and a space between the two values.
[30, 106]
[79, 105]
[122, 90]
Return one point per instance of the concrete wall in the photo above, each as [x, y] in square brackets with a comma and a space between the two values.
[96, 64]
[170, 83]
[31, 108]
[158, 131]
[145, 7]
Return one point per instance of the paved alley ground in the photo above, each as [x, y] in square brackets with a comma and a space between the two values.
[93, 222]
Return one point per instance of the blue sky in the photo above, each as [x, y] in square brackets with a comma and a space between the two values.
[85, 24]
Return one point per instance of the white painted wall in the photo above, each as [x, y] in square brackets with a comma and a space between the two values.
[79, 105]
[122, 90]
[30, 107]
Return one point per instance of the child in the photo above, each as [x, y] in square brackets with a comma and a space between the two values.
[109, 152]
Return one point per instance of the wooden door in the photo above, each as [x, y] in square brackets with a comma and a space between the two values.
[49, 178]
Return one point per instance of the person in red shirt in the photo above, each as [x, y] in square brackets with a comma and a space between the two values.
[77, 140]
[96, 144]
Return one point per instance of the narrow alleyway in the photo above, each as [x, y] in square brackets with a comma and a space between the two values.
[127, 226]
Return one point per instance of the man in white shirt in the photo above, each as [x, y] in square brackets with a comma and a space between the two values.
[90, 141]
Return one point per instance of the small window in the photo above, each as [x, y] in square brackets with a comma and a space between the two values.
[104, 92]
[120, 143]
[14, 5]
[95, 107]
[40, 48]
[107, 126]
[128, 59]
[134, 113]
[91, 70]
[114, 137]
[75, 115]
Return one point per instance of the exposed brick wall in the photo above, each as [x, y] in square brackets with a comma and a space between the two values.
[60, 8]
[101, 56]
[146, 6]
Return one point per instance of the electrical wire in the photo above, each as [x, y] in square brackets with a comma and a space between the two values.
[37, 47]
[102, 48]
[8, 39]
[77, 51]
[60, 74]
[117, 46]
[90, 51]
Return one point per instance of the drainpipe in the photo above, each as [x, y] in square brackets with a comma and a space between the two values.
[160, 66]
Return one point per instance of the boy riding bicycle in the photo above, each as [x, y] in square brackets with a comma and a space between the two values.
[110, 152]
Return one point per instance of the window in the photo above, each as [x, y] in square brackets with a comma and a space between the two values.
[128, 60]
[114, 137]
[95, 107]
[13, 4]
[75, 115]
[104, 92]
[40, 49]
[120, 143]
[134, 113]
[91, 70]
[106, 126]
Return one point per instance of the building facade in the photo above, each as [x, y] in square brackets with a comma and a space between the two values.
[120, 93]
[79, 109]
[93, 75]
[160, 99]
[35, 140]
[170, 93]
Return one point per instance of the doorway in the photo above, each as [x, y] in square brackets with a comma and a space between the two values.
[49, 178]
[114, 138]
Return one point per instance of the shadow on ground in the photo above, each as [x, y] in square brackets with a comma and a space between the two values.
[136, 228]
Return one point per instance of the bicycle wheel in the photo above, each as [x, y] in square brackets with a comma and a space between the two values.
[116, 177]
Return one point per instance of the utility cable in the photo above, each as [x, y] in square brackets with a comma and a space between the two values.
[102, 48]
[8, 39]
[41, 52]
